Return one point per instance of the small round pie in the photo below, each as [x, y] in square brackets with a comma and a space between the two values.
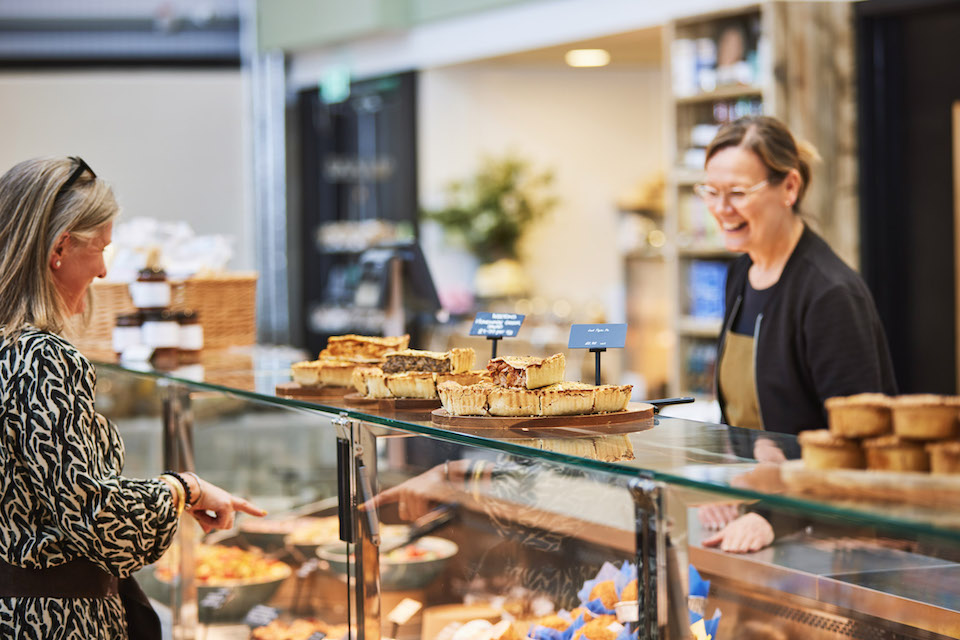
[893, 453]
[944, 456]
[860, 416]
[925, 416]
[820, 449]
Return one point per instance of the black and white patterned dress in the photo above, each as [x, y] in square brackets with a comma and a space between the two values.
[61, 493]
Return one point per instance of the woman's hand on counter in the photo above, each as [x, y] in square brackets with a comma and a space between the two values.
[748, 533]
[716, 516]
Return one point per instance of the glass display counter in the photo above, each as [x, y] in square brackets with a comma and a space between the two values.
[385, 524]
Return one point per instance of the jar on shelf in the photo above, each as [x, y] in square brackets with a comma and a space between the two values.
[151, 291]
[191, 336]
[161, 333]
[127, 332]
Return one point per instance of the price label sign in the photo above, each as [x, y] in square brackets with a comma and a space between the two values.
[597, 336]
[497, 325]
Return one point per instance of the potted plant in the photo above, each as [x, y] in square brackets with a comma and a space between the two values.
[489, 212]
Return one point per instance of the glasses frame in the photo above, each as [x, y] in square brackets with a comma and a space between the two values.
[82, 167]
[713, 197]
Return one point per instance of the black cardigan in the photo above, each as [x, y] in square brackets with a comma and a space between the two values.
[818, 336]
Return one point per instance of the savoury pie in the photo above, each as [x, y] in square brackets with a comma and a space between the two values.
[859, 416]
[513, 402]
[411, 384]
[336, 373]
[306, 374]
[527, 372]
[944, 456]
[363, 348]
[566, 398]
[610, 398]
[820, 449]
[893, 453]
[453, 361]
[464, 400]
[370, 382]
[925, 416]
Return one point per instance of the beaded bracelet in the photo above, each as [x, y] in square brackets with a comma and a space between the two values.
[179, 498]
[183, 483]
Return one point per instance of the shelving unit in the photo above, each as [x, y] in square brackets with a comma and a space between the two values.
[759, 58]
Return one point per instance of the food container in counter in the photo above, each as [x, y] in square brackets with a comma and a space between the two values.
[413, 566]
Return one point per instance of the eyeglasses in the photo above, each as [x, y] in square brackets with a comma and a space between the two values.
[736, 197]
[81, 168]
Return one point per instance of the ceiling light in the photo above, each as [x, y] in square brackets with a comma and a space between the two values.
[587, 57]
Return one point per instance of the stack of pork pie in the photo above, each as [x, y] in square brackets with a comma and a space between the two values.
[335, 365]
[412, 373]
[530, 386]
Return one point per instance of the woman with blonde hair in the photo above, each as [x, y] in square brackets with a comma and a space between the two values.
[72, 529]
[800, 325]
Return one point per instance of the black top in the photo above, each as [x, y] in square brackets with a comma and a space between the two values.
[752, 306]
[819, 336]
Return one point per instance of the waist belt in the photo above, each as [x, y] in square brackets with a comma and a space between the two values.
[75, 579]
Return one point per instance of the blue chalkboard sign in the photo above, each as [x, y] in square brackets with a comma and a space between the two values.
[496, 325]
[597, 336]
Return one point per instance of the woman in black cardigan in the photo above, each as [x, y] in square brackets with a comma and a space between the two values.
[800, 326]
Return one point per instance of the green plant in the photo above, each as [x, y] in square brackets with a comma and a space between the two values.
[489, 212]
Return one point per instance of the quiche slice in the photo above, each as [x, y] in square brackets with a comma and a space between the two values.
[306, 373]
[527, 372]
[363, 348]
[464, 400]
[370, 382]
[453, 361]
[502, 401]
[566, 398]
[609, 398]
[411, 384]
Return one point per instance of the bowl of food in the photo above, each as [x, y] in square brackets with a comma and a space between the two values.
[412, 566]
[311, 533]
[230, 580]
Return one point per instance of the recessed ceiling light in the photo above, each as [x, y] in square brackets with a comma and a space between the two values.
[587, 57]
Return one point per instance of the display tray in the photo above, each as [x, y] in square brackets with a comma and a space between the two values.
[391, 404]
[911, 487]
[636, 411]
[319, 392]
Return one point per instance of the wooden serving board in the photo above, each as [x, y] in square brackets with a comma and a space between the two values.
[319, 392]
[636, 411]
[391, 404]
[909, 487]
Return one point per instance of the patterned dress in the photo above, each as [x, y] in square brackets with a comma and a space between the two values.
[61, 493]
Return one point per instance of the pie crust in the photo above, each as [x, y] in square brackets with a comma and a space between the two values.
[373, 382]
[822, 450]
[527, 372]
[859, 416]
[336, 373]
[513, 402]
[893, 453]
[412, 384]
[466, 378]
[944, 456]
[565, 399]
[363, 348]
[306, 373]
[610, 398]
[925, 416]
[453, 361]
[463, 400]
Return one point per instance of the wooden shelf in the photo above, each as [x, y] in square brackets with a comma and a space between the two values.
[644, 254]
[728, 92]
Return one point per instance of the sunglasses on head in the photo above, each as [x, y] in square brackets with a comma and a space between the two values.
[81, 168]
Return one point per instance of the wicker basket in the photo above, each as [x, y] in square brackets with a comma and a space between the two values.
[225, 304]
